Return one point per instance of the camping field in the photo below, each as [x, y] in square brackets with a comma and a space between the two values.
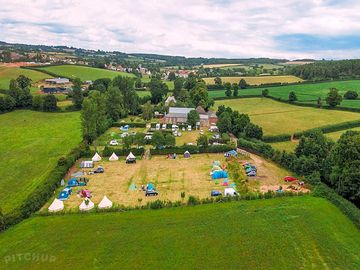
[257, 80]
[8, 73]
[280, 118]
[284, 233]
[169, 176]
[30, 145]
[84, 72]
[308, 92]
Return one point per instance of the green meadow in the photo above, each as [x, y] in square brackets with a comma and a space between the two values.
[8, 73]
[308, 93]
[30, 145]
[280, 118]
[283, 233]
[83, 72]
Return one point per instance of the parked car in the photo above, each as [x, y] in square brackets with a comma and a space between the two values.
[99, 170]
[290, 179]
[114, 142]
[216, 136]
[215, 193]
[189, 128]
[157, 127]
[151, 193]
[164, 126]
[201, 132]
[252, 173]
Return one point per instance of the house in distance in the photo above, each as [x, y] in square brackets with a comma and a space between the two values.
[178, 115]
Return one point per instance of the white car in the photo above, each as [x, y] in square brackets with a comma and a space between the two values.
[201, 132]
[157, 127]
[179, 134]
[190, 143]
[183, 129]
[189, 128]
[164, 126]
[114, 142]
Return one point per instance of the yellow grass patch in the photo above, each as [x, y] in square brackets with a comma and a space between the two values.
[220, 65]
[257, 80]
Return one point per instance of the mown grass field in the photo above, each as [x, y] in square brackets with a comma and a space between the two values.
[305, 92]
[281, 118]
[284, 233]
[288, 146]
[257, 80]
[30, 145]
[8, 73]
[84, 73]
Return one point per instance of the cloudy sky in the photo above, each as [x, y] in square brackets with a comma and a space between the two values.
[210, 28]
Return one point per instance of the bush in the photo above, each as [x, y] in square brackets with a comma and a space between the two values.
[193, 200]
[257, 147]
[277, 138]
[351, 95]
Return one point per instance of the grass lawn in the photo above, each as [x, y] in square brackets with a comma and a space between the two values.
[143, 93]
[257, 80]
[288, 146]
[280, 118]
[283, 233]
[30, 145]
[84, 73]
[305, 92]
[8, 73]
[336, 135]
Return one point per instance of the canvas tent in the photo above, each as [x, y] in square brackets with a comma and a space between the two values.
[86, 207]
[56, 206]
[187, 154]
[113, 157]
[105, 203]
[130, 158]
[219, 174]
[96, 157]
[87, 164]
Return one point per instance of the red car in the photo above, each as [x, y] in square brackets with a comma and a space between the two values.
[86, 193]
[290, 179]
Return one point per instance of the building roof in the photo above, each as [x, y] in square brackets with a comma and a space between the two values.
[177, 110]
[58, 80]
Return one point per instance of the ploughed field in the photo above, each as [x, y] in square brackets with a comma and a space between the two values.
[30, 145]
[283, 233]
[280, 118]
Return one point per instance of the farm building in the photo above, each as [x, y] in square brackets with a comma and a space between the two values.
[179, 115]
[51, 90]
[57, 81]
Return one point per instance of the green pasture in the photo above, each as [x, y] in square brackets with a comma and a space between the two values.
[308, 92]
[83, 72]
[283, 233]
[280, 118]
[30, 145]
[8, 73]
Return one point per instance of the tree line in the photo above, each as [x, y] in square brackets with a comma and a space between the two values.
[327, 70]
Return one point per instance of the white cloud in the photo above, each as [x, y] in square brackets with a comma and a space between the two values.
[213, 28]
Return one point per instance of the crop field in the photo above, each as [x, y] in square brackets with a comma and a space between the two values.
[308, 93]
[30, 145]
[8, 73]
[84, 73]
[279, 118]
[283, 233]
[221, 65]
[257, 80]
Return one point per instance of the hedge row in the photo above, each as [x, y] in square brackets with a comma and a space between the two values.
[131, 124]
[277, 138]
[107, 152]
[238, 97]
[36, 199]
[193, 149]
[330, 128]
[319, 188]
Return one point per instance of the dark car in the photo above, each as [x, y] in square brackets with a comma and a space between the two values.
[215, 193]
[99, 170]
[151, 193]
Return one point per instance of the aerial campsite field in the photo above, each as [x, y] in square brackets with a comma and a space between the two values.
[284, 233]
[30, 145]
